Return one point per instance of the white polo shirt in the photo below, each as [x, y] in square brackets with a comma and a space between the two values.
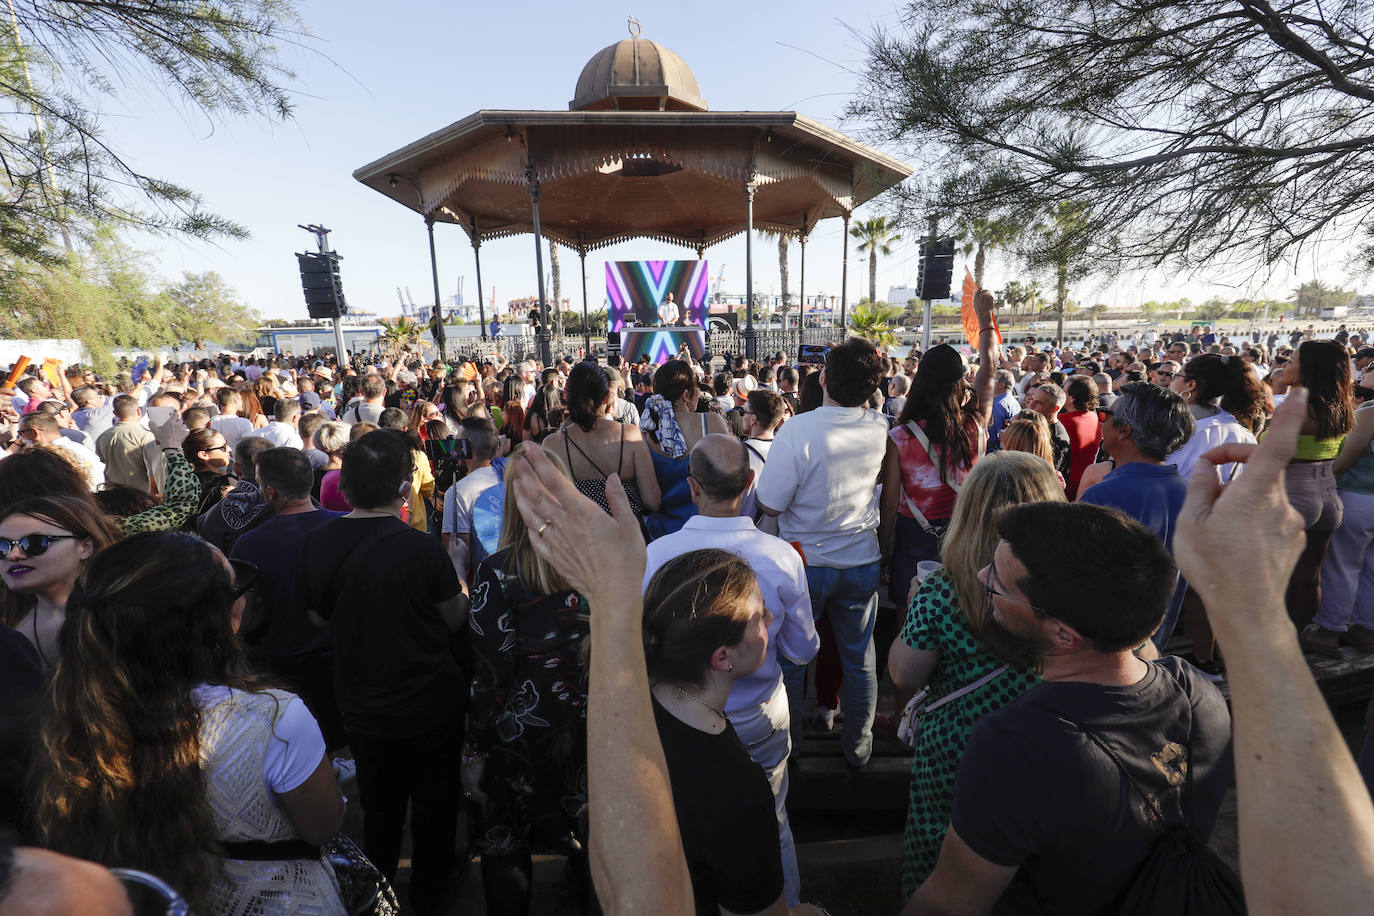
[822, 473]
[782, 580]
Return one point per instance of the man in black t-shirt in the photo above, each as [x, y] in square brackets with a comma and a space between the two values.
[391, 600]
[1048, 814]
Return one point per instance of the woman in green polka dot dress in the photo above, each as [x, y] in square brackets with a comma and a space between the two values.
[943, 646]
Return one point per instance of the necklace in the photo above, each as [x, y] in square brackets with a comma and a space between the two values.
[693, 696]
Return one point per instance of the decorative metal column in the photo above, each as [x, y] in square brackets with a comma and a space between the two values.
[543, 340]
[801, 303]
[750, 187]
[437, 319]
[586, 322]
[844, 278]
[477, 256]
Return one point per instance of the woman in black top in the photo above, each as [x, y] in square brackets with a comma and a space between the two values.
[705, 626]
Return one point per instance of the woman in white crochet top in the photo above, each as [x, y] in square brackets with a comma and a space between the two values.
[161, 751]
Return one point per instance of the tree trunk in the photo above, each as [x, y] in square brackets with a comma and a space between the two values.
[1062, 297]
[979, 259]
[872, 275]
[556, 281]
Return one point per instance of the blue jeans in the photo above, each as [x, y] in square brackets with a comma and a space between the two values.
[850, 597]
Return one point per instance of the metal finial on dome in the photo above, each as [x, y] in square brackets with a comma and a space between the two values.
[635, 29]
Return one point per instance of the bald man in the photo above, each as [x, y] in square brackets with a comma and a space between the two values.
[36, 882]
[758, 707]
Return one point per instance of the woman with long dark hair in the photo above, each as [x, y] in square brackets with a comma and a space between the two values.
[162, 751]
[941, 431]
[672, 425]
[208, 451]
[1323, 368]
[1228, 404]
[594, 446]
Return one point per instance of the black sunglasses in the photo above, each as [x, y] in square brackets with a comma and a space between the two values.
[245, 578]
[33, 545]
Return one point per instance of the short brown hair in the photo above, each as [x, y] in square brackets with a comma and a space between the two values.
[694, 605]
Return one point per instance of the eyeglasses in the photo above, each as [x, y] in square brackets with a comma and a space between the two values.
[1163, 374]
[33, 545]
[990, 584]
[222, 447]
[245, 578]
[176, 904]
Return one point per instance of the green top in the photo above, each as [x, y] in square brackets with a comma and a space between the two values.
[1310, 448]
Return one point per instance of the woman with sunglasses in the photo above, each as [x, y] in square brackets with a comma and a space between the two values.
[208, 451]
[183, 762]
[947, 645]
[46, 541]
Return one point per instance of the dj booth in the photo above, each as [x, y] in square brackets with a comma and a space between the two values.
[660, 344]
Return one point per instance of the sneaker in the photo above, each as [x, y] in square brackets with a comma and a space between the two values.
[825, 718]
[1361, 638]
[1322, 641]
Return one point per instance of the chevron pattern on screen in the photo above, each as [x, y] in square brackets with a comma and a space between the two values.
[634, 290]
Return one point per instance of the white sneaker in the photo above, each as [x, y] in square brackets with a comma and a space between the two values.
[827, 717]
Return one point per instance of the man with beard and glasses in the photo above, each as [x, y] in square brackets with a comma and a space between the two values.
[1047, 812]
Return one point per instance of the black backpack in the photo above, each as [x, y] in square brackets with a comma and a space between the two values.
[1181, 876]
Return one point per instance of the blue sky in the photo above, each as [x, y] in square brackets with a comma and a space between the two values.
[377, 76]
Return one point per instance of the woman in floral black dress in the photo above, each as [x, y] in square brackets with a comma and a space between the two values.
[525, 757]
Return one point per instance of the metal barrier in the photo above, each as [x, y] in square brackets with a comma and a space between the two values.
[767, 342]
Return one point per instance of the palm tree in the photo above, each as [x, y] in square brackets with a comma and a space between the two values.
[1060, 243]
[784, 241]
[556, 281]
[876, 236]
[871, 321]
[980, 235]
[402, 335]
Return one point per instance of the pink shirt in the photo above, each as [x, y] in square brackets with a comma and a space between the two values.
[331, 497]
[921, 475]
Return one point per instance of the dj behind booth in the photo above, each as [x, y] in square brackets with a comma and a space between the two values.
[657, 308]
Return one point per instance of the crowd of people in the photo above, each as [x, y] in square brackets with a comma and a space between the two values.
[585, 610]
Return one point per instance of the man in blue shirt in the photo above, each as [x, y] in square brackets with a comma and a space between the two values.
[1004, 406]
[1147, 423]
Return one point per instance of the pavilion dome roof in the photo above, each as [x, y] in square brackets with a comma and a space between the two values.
[636, 74]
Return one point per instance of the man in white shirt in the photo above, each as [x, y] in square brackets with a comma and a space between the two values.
[668, 312]
[282, 431]
[457, 528]
[820, 480]
[40, 428]
[758, 707]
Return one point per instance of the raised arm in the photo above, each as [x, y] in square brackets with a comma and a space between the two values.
[636, 848]
[987, 366]
[1296, 781]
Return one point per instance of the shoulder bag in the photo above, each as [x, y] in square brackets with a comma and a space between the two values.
[909, 728]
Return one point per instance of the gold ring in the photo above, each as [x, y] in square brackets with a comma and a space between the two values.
[540, 530]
